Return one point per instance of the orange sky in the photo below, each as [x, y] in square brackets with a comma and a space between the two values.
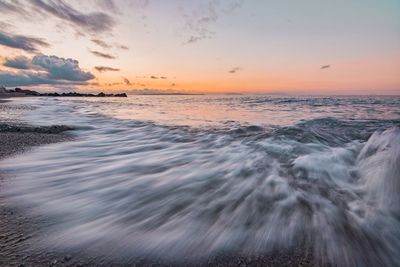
[205, 46]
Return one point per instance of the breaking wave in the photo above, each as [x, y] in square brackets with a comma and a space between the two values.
[142, 189]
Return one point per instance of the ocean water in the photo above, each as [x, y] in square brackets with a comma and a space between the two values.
[191, 177]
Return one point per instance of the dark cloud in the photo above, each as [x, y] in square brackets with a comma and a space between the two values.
[153, 77]
[104, 55]
[104, 68]
[20, 62]
[126, 81]
[95, 22]
[61, 68]
[163, 77]
[325, 67]
[29, 78]
[234, 70]
[45, 70]
[29, 44]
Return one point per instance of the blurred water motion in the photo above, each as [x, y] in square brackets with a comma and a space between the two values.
[247, 175]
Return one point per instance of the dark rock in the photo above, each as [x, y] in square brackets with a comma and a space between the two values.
[26, 92]
[67, 257]
[121, 95]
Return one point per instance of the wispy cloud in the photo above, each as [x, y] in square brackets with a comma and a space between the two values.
[29, 44]
[104, 55]
[104, 69]
[199, 21]
[123, 47]
[88, 22]
[101, 43]
[108, 5]
[126, 81]
[234, 70]
[20, 62]
[106, 45]
[95, 22]
[13, 7]
[325, 67]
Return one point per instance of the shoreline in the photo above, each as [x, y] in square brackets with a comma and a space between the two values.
[19, 230]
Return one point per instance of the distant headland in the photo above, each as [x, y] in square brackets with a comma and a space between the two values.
[18, 92]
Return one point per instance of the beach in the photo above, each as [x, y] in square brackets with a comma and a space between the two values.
[20, 229]
[259, 181]
[199, 133]
[16, 228]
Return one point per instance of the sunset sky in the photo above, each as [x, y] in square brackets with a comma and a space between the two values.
[271, 46]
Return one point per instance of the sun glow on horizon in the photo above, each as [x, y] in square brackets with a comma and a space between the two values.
[238, 46]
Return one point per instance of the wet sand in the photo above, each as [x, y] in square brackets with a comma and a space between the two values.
[19, 230]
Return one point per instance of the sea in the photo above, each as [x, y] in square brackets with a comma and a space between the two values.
[194, 176]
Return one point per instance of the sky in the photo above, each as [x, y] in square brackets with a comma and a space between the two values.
[202, 46]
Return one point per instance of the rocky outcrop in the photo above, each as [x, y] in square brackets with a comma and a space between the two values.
[26, 92]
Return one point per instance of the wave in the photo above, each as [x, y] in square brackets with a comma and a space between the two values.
[172, 192]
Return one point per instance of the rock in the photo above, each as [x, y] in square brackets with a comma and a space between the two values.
[25, 92]
[121, 95]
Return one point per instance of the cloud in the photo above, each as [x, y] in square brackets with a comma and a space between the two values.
[105, 45]
[45, 70]
[24, 78]
[95, 22]
[325, 67]
[155, 77]
[104, 55]
[13, 7]
[29, 44]
[108, 5]
[20, 62]
[123, 47]
[139, 3]
[193, 39]
[112, 84]
[198, 21]
[5, 25]
[61, 68]
[235, 70]
[126, 81]
[104, 68]
[101, 43]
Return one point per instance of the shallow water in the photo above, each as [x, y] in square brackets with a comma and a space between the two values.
[194, 176]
